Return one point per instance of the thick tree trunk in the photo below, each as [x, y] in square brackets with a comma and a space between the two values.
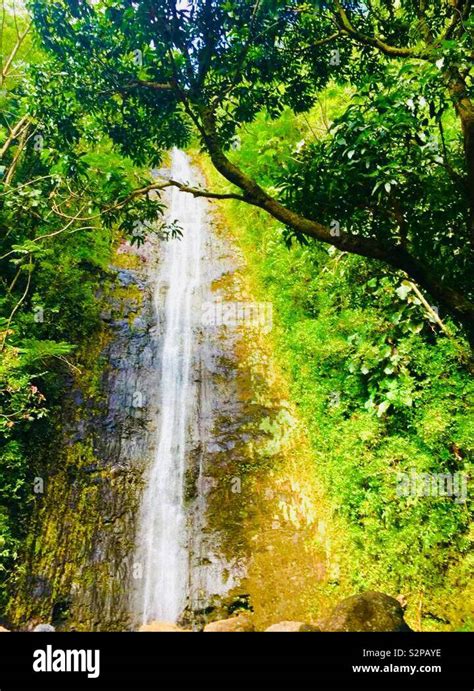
[465, 110]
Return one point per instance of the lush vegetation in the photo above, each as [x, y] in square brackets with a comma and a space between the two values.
[153, 71]
[382, 389]
[345, 131]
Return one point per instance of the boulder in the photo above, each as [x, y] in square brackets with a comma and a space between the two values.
[44, 628]
[239, 623]
[370, 611]
[160, 626]
[291, 626]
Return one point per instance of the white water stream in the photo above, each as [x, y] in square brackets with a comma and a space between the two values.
[162, 549]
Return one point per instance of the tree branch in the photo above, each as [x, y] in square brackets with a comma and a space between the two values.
[14, 133]
[195, 191]
[18, 305]
[157, 86]
[16, 158]
[393, 51]
[6, 67]
[394, 255]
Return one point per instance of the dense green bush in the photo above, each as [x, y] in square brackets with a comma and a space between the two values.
[383, 390]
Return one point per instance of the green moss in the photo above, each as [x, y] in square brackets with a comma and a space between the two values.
[266, 504]
[346, 343]
[85, 505]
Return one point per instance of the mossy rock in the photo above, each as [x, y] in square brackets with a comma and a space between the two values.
[370, 611]
[240, 623]
[291, 627]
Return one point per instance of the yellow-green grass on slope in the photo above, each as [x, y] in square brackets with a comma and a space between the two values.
[348, 464]
[298, 561]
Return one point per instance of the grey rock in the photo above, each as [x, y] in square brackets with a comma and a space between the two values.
[125, 278]
[44, 628]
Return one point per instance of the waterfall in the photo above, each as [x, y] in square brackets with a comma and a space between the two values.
[162, 548]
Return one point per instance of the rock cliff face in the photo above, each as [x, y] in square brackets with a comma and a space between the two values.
[80, 548]
[366, 612]
[256, 533]
[82, 570]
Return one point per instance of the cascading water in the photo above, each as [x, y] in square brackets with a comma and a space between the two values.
[162, 549]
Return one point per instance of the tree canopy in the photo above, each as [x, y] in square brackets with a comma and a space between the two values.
[394, 178]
